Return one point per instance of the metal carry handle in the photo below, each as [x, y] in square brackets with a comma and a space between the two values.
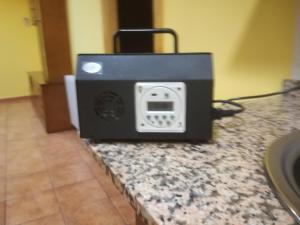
[152, 31]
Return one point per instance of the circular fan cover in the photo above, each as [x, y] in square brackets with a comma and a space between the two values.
[109, 106]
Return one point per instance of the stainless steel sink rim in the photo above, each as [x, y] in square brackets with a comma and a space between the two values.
[278, 159]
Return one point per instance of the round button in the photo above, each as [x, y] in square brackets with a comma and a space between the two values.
[164, 117]
[92, 67]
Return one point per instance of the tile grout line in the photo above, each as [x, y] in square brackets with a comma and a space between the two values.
[50, 179]
[52, 183]
[53, 187]
[75, 140]
[113, 205]
[6, 164]
[78, 142]
[6, 140]
[29, 221]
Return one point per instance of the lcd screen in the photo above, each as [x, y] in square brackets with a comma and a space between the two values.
[160, 106]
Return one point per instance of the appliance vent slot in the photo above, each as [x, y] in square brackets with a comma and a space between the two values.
[109, 106]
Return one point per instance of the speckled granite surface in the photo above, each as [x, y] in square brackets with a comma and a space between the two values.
[223, 182]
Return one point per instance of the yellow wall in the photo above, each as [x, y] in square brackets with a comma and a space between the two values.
[110, 22]
[252, 40]
[86, 27]
[19, 48]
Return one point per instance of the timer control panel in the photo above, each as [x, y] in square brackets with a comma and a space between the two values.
[160, 107]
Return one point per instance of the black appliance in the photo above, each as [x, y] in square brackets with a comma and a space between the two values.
[145, 96]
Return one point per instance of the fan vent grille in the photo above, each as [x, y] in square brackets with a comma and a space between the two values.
[109, 106]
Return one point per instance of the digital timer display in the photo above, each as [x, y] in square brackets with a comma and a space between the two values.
[160, 106]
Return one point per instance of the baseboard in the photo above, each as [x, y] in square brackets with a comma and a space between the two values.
[15, 99]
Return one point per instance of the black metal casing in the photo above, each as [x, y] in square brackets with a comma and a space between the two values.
[119, 74]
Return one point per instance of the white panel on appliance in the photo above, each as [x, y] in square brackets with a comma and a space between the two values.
[160, 107]
[70, 85]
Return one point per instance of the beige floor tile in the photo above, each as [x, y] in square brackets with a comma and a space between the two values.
[24, 162]
[20, 133]
[108, 186]
[22, 145]
[124, 208]
[96, 213]
[3, 107]
[28, 184]
[56, 149]
[104, 179]
[3, 114]
[2, 138]
[39, 129]
[19, 104]
[62, 158]
[97, 170]
[71, 197]
[2, 128]
[2, 163]
[20, 156]
[37, 122]
[3, 119]
[73, 134]
[17, 123]
[79, 142]
[55, 139]
[50, 140]
[2, 213]
[2, 171]
[20, 113]
[71, 169]
[2, 189]
[2, 142]
[87, 156]
[28, 167]
[55, 219]
[31, 207]
[70, 174]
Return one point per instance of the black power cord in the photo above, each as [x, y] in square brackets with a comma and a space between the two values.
[267, 95]
[219, 113]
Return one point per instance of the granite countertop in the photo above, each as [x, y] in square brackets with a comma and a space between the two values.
[222, 182]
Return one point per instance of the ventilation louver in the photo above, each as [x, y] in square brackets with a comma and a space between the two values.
[109, 106]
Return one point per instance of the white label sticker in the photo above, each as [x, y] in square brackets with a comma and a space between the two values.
[92, 67]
